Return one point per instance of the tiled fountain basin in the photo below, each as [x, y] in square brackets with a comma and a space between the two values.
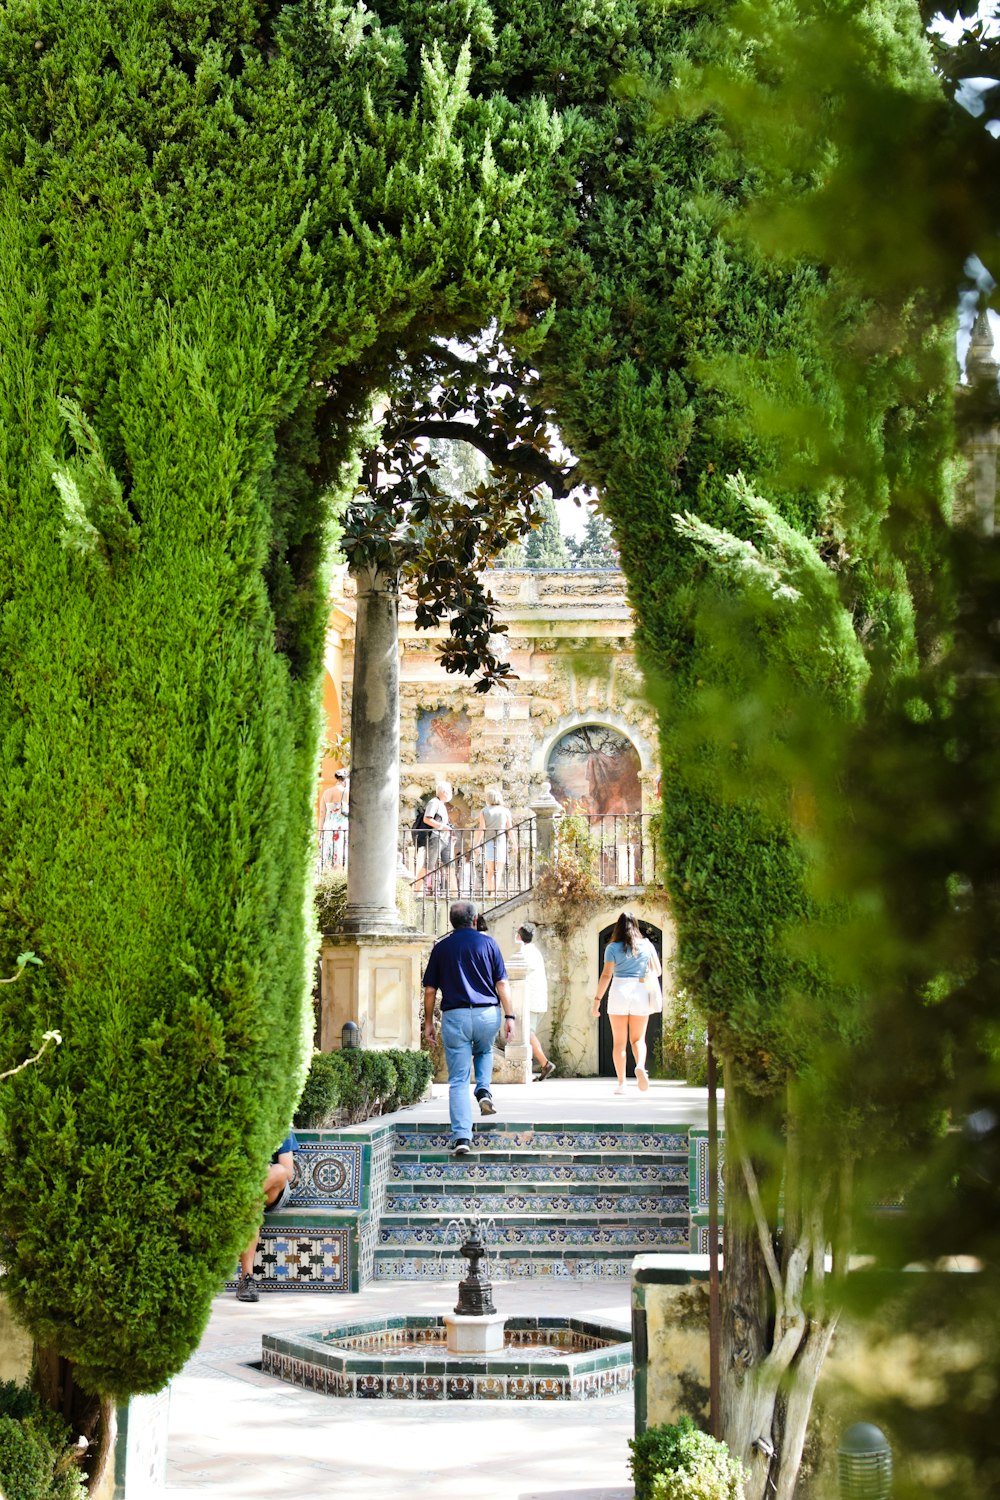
[406, 1359]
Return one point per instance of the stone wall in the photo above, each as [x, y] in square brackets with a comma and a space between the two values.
[569, 642]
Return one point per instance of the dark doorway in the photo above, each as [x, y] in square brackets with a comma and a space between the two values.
[605, 1061]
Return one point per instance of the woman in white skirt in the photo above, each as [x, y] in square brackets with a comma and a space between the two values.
[628, 959]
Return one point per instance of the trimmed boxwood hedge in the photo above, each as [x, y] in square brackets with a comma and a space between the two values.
[353, 1085]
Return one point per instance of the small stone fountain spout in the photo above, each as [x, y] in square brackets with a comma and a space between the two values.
[475, 1327]
[475, 1293]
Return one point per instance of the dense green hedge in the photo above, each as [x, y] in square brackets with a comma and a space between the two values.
[677, 1461]
[37, 1458]
[353, 1085]
[216, 224]
[218, 227]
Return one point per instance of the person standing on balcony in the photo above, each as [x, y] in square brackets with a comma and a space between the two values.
[536, 991]
[468, 968]
[439, 843]
[628, 958]
[495, 822]
[334, 839]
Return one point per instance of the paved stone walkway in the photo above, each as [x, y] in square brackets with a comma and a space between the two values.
[236, 1434]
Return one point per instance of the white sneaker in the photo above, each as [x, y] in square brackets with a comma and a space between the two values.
[642, 1079]
[620, 1089]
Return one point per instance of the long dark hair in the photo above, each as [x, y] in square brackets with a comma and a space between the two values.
[627, 931]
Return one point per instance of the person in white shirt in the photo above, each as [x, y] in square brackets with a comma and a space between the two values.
[439, 845]
[536, 989]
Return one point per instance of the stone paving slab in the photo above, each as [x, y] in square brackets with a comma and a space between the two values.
[558, 1101]
[236, 1434]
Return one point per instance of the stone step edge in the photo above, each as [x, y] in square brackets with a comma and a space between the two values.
[552, 1127]
[518, 1218]
[586, 1157]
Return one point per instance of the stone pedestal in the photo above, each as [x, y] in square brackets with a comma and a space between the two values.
[373, 978]
[474, 1335]
[514, 1064]
[547, 812]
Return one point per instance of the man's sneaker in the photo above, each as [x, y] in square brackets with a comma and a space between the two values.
[546, 1072]
[246, 1291]
[460, 1148]
[486, 1105]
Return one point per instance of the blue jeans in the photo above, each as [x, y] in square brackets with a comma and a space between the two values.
[468, 1039]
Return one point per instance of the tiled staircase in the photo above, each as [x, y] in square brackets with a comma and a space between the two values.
[563, 1200]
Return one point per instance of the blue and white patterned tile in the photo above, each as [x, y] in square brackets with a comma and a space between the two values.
[698, 1169]
[471, 1170]
[299, 1260]
[327, 1175]
[626, 1238]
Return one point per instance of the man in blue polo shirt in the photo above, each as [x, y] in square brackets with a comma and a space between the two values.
[468, 968]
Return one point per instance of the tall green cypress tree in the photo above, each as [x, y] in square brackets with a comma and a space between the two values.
[546, 546]
[208, 224]
[596, 548]
[216, 236]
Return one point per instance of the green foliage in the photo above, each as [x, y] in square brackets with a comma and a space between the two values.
[596, 548]
[568, 887]
[213, 229]
[330, 898]
[546, 546]
[320, 1099]
[683, 1040]
[351, 1086]
[220, 239]
[37, 1461]
[679, 1462]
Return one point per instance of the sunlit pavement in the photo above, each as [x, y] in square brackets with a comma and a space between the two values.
[236, 1434]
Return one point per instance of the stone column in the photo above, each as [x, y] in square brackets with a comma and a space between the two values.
[547, 813]
[374, 817]
[513, 1065]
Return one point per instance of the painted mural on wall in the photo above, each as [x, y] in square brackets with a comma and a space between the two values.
[595, 770]
[444, 736]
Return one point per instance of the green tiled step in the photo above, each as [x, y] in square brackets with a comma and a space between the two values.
[674, 1211]
[538, 1198]
[517, 1231]
[497, 1136]
[486, 1172]
[575, 1263]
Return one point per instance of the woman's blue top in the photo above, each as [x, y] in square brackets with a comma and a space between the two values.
[627, 965]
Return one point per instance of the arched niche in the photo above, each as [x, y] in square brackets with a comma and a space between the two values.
[595, 768]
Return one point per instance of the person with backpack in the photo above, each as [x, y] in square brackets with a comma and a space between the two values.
[439, 840]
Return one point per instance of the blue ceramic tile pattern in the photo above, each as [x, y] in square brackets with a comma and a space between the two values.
[379, 1164]
[328, 1175]
[502, 1172]
[573, 1202]
[301, 1260]
[698, 1169]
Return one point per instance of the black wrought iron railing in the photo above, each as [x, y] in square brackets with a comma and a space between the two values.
[494, 870]
[623, 846]
[489, 869]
